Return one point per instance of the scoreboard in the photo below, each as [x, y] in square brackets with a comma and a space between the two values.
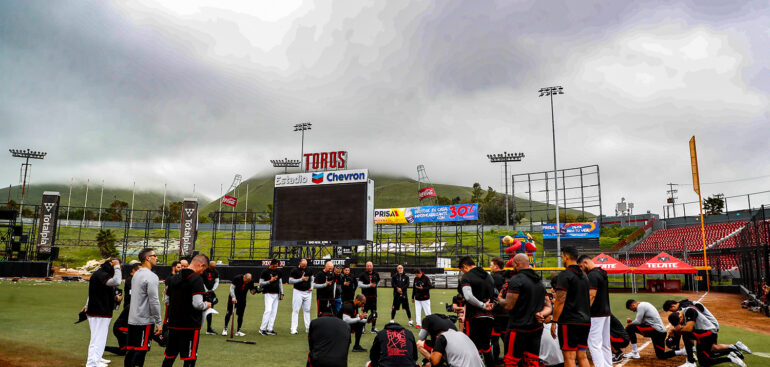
[323, 208]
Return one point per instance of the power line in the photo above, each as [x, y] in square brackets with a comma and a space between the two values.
[727, 181]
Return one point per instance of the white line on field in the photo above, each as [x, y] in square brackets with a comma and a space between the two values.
[648, 342]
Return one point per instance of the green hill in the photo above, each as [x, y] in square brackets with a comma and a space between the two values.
[389, 192]
[142, 199]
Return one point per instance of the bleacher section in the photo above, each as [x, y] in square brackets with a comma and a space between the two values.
[717, 261]
[674, 239]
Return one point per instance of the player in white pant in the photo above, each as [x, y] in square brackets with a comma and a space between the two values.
[302, 281]
[99, 307]
[100, 326]
[272, 286]
[599, 335]
[421, 295]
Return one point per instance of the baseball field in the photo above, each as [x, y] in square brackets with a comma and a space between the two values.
[37, 316]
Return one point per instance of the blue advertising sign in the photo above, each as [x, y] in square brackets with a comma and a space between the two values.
[572, 230]
[442, 213]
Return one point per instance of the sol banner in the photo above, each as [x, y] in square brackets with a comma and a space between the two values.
[188, 227]
[46, 232]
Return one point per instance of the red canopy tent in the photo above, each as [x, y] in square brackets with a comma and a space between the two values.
[664, 263]
[610, 265]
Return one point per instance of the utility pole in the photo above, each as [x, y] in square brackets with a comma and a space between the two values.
[550, 91]
[671, 198]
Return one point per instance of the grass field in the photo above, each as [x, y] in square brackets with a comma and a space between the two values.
[37, 317]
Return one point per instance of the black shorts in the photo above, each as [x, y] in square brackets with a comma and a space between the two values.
[500, 326]
[371, 303]
[182, 342]
[324, 307]
[573, 336]
[399, 302]
[139, 337]
[239, 307]
[479, 330]
[523, 344]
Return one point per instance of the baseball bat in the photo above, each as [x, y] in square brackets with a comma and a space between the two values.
[241, 341]
[232, 326]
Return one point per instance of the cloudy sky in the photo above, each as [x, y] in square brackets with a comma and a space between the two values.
[190, 92]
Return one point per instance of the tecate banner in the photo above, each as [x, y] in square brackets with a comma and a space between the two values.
[46, 232]
[426, 193]
[427, 214]
[188, 227]
[572, 230]
[229, 200]
[322, 178]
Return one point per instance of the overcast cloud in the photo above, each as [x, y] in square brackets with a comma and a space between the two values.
[193, 92]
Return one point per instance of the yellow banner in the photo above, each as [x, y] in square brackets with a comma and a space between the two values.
[694, 163]
[390, 216]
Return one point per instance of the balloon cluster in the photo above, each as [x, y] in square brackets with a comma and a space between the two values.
[515, 246]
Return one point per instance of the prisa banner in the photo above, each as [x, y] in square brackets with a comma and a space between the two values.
[389, 216]
[572, 230]
[188, 227]
[46, 232]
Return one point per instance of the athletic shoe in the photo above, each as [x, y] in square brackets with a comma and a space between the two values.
[211, 332]
[688, 364]
[103, 364]
[224, 332]
[262, 332]
[106, 361]
[293, 332]
[737, 353]
[411, 323]
[617, 358]
[271, 332]
[375, 331]
[239, 333]
[632, 355]
[742, 347]
[392, 321]
[358, 348]
[736, 360]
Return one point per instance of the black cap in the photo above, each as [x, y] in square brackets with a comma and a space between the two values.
[81, 317]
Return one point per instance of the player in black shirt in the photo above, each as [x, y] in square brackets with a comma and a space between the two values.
[185, 293]
[421, 295]
[619, 339]
[599, 333]
[478, 289]
[324, 283]
[500, 326]
[239, 287]
[328, 340]
[211, 282]
[337, 289]
[302, 294]
[368, 283]
[120, 327]
[349, 285]
[393, 346]
[400, 283]
[272, 287]
[99, 307]
[349, 313]
[572, 310]
[523, 296]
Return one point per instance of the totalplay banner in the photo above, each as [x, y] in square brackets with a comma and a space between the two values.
[188, 227]
[46, 232]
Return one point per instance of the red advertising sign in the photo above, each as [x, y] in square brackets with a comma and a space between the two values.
[426, 193]
[229, 200]
[326, 160]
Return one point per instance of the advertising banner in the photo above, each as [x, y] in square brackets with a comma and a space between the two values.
[572, 230]
[322, 178]
[229, 200]
[46, 232]
[188, 227]
[390, 216]
[425, 193]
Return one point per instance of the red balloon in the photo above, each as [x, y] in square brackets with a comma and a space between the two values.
[509, 263]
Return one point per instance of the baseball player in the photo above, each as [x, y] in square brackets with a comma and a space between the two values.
[301, 295]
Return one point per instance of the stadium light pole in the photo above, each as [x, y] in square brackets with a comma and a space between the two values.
[302, 127]
[506, 157]
[285, 163]
[550, 91]
[26, 154]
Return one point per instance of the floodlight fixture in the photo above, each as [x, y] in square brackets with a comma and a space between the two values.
[549, 91]
[302, 128]
[285, 163]
[504, 158]
[27, 155]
